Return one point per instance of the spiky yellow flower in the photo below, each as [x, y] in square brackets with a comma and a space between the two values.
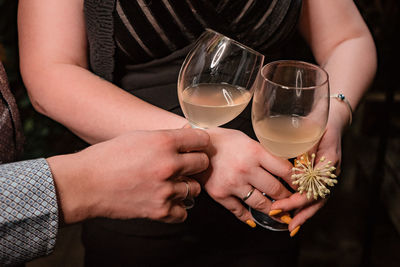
[312, 180]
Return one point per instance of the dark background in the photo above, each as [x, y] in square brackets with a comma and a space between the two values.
[359, 226]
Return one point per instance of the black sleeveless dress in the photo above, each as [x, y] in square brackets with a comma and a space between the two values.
[150, 40]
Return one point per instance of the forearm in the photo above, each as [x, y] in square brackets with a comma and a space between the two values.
[351, 67]
[91, 107]
[53, 60]
[342, 44]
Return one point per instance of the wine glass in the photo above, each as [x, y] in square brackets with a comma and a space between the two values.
[289, 113]
[217, 80]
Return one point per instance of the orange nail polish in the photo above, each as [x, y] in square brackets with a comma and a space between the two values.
[286, 219]
[251, 223]
[294, 231]
[274, 212]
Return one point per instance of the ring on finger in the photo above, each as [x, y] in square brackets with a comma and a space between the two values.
[188, 201]
[248, 195]
[187, 189]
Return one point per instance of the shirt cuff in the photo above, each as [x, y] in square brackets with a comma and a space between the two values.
[28, 211]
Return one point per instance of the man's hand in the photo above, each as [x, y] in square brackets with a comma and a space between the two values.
[137, 175]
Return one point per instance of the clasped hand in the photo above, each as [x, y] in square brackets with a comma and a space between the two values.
[329, 147]
[135, 175]
[238, 164]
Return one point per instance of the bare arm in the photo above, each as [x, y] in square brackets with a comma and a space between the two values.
[53, 54]
[342, 44]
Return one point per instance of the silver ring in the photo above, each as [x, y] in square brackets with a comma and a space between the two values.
[248, 194]
[187, 189]
[188, 201]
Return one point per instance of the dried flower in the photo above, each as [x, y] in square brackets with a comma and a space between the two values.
[313, 180]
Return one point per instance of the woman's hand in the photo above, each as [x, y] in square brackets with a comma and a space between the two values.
[342, 44]
[237, 164]
[329, 147]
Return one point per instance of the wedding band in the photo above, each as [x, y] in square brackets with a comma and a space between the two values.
[248, 194]
[187, 189]
[188, 201]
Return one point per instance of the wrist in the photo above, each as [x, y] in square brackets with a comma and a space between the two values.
[213, 133]
[343, 99]
[340, 115]
[69, 179]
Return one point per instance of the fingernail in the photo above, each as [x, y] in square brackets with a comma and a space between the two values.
[294, 231]
[251, 223]
[274, 212]
[286, 219]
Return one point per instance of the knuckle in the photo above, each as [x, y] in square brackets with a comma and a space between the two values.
[203, 136]
[166, 191]
[218, 193]
[167, 169]
[275, 189]
[204, 161]
[239, 212]
[255, 148]
[260, 204]
[230, 182]
[181, 217]
[287, 171]
[161, 212]
[195, 188]
[241, 168]
[166, 139]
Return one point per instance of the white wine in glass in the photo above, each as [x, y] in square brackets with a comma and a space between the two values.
[287, 136]
[217, 80]
[289, 113]
[211, 105]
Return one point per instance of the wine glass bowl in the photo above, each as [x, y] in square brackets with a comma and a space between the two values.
[289, 113]
[217, 80]
[290, 107]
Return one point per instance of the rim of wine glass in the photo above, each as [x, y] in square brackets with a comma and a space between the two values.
[296, 61]
[236, 42]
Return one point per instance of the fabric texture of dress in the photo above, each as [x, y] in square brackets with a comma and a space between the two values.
[140, 46]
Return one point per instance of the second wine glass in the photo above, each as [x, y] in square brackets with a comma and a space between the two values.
[289, 113]
[217, 80]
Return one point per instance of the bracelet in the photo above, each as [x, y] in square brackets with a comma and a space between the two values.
[343, 99]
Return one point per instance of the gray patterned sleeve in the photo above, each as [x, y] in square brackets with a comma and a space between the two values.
[28, 211]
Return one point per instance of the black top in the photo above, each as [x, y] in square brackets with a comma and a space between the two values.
[152, 38]
[149, 29]
[166, 26]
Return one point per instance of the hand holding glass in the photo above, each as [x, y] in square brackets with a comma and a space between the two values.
[216, 80]
[289, 113]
